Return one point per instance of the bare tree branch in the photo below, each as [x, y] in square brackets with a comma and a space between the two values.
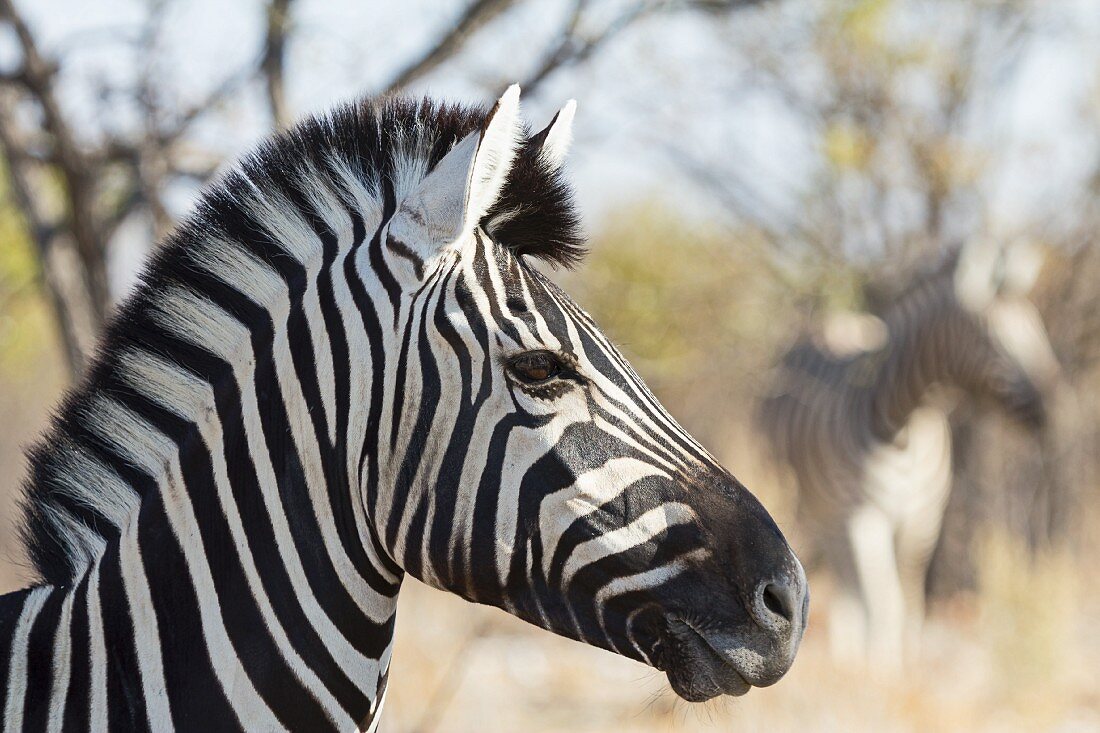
[573, 46]
[67, 296]
[273, 61]
[477, 15]
[39, 82]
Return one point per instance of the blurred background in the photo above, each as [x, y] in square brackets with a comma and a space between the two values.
[746, 169]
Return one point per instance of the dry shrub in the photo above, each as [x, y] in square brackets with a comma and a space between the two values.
[1030, 619]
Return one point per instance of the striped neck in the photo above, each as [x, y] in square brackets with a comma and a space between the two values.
[931, 341]
[237, 532]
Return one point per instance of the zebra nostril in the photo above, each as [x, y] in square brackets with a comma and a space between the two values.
[774, 603]
[777, 598]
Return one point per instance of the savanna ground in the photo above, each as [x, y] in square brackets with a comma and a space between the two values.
[1019, 652]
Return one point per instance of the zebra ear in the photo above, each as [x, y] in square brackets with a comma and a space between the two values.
[464, 184]
[1022, 267]
[553, 141]
[976, 273]
[987, 269]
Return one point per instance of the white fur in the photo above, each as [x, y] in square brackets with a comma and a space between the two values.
[62, 666]
[988, 268]
[847, 333]
[97, 656]
[559, 509]
[84, 544]
[645, 579]
[1015, 324]
[282, 221]
[360, 195]
[158, 455]
[975, 273]
[524, 448]
[495, 154]
[186, 395]
[17, 669]
[236, 267]
[196, 319]
[560, 135]
[85, 479]
[201, 321]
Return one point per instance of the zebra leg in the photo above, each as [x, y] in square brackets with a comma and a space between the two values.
[916, 541]
[914, 552]
[847, 614]
[871, 538]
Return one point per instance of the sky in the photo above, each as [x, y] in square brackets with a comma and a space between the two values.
[668, 83]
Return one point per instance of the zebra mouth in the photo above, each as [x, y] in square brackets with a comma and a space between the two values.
[697, 668]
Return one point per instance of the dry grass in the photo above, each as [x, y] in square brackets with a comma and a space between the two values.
[1007, 661]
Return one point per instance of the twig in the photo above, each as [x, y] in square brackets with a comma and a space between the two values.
[477, 15]
[273, 61]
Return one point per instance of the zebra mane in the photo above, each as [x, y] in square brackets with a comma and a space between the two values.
[382, 141]
[366, 155]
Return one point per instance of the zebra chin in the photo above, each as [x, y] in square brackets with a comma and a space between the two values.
[697, 671]
[704, 658]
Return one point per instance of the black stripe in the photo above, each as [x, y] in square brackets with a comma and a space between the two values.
[125, 697]
[194, 696]
[11, 608]
[430, 391]
[270, 674]
[335, 459]
[374, 250]
[40, 663]
[78, 700]
[449, 560]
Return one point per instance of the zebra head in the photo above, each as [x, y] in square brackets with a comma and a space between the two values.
[1013, 362]
[533, 469]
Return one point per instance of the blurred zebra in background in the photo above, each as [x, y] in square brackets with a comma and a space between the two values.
[859, 415]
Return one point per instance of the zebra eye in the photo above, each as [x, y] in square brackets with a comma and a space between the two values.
[536, 366]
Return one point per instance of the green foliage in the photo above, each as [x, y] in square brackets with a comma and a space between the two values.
[862, 23]
[847, 146]
[25, 321]
[696, 310]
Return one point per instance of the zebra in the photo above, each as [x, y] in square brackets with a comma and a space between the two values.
[342, 368]
[859, 416]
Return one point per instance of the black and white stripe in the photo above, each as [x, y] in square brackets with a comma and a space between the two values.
[314, 391]
[858, 414]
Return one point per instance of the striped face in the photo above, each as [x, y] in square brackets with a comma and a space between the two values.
[534, 471]
[552, 484]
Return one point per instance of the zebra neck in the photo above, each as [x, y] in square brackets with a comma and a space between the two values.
[294, 593]
[238, 559]
[921, 354]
